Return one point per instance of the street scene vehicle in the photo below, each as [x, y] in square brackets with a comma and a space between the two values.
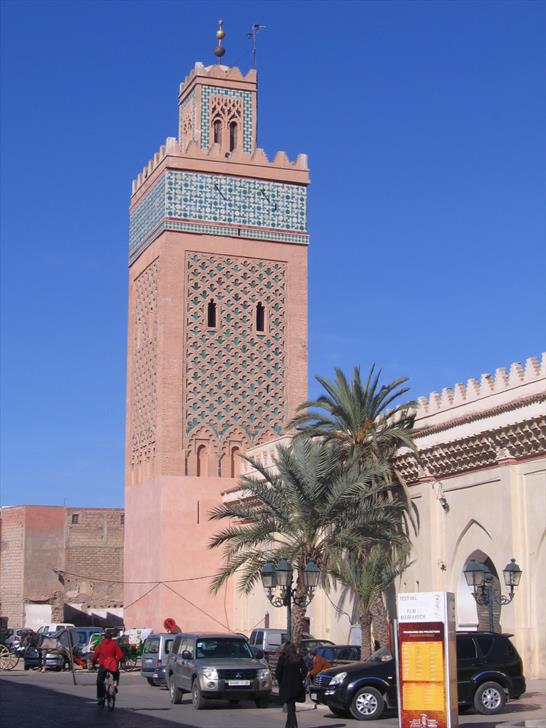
[489, 672]
[339, 654]
[32, 660]
[54, 627]
[155, 652]
[215, 665]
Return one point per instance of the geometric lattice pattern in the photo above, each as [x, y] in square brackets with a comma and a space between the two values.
[245, 206]
[207, 94]
[235, 376]
[144, 394]
[187, 119]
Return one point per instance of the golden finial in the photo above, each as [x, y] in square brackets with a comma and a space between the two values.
[220, 34]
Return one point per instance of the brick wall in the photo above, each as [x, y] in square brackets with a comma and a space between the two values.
[37, 540]
[12, 556]
[93, 551]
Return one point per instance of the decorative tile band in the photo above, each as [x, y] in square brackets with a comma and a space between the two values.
[219, 205]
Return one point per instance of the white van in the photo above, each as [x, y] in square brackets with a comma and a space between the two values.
[54, 627]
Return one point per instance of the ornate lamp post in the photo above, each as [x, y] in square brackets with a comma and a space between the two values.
[277, 582]
[480, 580]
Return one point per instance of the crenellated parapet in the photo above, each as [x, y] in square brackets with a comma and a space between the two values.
[181, 156]
[477, 395]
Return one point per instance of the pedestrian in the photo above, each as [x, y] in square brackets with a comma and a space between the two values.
[291, 671]
[319, 664]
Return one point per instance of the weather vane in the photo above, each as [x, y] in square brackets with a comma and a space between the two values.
[220, 34]
[252, 35]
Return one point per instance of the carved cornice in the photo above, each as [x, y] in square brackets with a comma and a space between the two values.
[512, 442]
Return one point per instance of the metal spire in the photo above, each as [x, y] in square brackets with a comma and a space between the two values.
[252, 36]
[220, 34]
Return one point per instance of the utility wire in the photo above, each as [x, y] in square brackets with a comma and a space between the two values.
[195, 606]
[61, 572]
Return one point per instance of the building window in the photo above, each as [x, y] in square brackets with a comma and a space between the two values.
[122, 519]
[260, 317]
[232, 135]
[202, 461]
[235, 462]
[75, 519]
[217, 131]
[211, 315]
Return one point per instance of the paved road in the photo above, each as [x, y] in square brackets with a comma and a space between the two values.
[36, 700]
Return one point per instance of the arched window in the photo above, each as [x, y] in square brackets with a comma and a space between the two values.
[235, 462]
[202, 461]
[232, 135]
[217, 131]
[260, 317]
[211, 314]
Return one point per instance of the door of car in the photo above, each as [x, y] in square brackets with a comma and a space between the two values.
[467, 663]
[184, 663]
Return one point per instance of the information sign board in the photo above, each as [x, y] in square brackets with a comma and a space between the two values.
[426, 659]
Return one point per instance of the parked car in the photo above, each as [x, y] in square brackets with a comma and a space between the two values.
[266, 641]
[32, 659]
[489, 671]
[53, 627]
[339, 654]
[221, 666]
[16, 637]
[155, 652]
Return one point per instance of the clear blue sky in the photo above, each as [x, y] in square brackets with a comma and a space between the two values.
[424, 125]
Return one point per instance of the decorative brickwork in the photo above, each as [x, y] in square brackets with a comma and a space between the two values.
[187, 129]
[144, 396]
[225, 101]
[235, 375]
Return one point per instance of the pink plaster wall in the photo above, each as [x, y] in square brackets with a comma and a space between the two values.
[165, 541]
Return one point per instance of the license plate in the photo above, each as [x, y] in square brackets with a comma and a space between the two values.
[314, 696]
[239, 683]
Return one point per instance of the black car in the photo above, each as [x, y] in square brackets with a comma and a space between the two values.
[489, 671]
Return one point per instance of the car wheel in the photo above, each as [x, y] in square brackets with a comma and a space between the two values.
[489, 698]
[27, 667]
[262, 702]
[198, 701]
[151, 681]
[174, 692]
[367, 704]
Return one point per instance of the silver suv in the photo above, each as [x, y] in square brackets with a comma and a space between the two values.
[221, 666]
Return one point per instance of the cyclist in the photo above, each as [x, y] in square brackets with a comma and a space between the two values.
[108, 654]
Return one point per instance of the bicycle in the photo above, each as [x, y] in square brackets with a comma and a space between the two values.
[110, 691]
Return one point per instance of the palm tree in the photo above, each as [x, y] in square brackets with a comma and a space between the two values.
[368, 577]
[370, 423]
[311, 505]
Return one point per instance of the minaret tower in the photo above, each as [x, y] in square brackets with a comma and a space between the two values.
[217, 342]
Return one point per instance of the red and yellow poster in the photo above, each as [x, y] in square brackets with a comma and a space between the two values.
[425, 685]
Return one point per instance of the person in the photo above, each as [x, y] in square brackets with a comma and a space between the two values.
[319, 664]
[290, 672]
[108, 654]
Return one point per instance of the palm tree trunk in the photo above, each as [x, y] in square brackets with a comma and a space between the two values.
[366, 638]
[298, 613]
[380, 620]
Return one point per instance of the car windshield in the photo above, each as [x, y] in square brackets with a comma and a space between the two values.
[381, 655]
[213, 647]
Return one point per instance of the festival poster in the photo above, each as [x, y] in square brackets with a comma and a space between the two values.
[425, 645]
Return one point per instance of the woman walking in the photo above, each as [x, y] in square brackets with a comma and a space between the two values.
[290, 672]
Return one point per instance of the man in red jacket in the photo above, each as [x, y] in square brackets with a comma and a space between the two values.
[108, 654]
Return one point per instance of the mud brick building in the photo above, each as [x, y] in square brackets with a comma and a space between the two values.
[61, 564]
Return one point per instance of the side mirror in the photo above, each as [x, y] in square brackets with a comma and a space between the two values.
[186, 655]
[259, 654]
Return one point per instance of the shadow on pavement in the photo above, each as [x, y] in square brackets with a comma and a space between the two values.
[27, 706]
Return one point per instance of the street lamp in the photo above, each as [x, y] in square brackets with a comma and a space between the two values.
[480, 580]
[277, 582]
